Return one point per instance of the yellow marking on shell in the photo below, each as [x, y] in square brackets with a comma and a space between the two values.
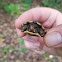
[36, 34]
[31, 21]
[38, 23]
[24, 23]
[42, 27]
[44, 30]
[31, 27]
[34, 30]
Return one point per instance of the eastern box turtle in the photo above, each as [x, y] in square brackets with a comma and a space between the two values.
[33, 28]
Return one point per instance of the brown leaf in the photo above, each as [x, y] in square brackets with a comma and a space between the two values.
[1, 41]
[19, 61]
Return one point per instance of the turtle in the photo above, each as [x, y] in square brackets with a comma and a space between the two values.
[33, 28]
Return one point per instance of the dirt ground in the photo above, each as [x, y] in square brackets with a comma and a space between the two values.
[7, 28]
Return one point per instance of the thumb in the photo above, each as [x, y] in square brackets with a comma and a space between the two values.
[53, 38]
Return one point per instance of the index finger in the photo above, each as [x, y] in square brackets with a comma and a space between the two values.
[36, 14]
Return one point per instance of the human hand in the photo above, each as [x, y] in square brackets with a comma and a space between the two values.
[51, 19]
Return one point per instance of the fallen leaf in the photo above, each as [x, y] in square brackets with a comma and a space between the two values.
[1, 41]
[19, 61]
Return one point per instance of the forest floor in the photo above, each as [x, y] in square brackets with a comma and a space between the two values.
[9, 38]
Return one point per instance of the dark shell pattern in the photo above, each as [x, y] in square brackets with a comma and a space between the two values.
[33, 28]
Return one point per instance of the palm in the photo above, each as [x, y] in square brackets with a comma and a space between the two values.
[48, 17]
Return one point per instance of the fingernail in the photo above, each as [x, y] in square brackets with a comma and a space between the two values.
[53, 39]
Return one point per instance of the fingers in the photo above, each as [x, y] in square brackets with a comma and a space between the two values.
[49, 50]
[35, 14]
[54, 37]
[45, 16]
[54, 51]
[51, 20]
[33, 42]
[59, 19]
[20, 34]
[31, 45]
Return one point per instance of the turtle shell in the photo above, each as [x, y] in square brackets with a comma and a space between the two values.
[33, 28]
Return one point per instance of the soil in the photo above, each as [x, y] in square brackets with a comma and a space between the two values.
[7, 28]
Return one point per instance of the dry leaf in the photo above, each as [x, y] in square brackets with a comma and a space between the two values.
[1, 41]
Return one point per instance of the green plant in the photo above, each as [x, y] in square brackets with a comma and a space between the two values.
[2, 36]
[25, 7]
[8, 49]
[11, 48]
[4, 51]
[1, 5]
[46, 55]
[45, 3]
[53, 4]
[53, 60]
[4, 59]
[23, 50]
[12, 9]
[29, 2]
[16, 35]
[21, 41]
